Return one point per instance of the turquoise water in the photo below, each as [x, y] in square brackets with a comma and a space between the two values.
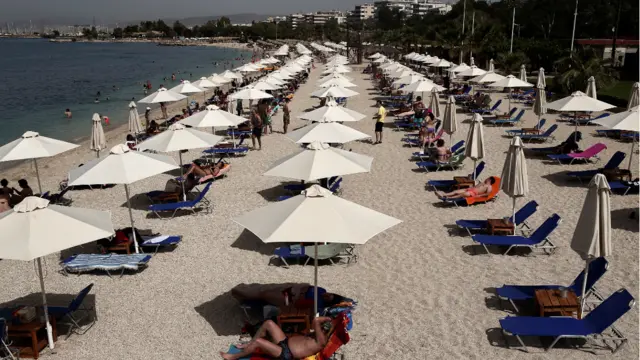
[40, 79]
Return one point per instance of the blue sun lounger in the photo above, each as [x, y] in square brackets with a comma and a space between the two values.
[157, 242]
[183, 205]
[520, 132]
[613, 163]
[490, 110]
[510, 121]
[301, 186]
[74, 308]
[589, 120]
[545, 136]
[455, 149]
[625, 187]
[455, 161]
[539, 239]
[522, 216]
[334, 187]
[108, 263]
[597, 268]
[591, 326]
[437, 184]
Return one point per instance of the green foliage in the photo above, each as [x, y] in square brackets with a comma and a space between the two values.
[575, 71]
[118, 33]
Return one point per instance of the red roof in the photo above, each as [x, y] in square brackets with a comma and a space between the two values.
[605, 42]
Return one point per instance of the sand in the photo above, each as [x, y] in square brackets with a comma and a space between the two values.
[421, 293]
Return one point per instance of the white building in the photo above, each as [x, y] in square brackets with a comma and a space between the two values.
[318, 18]
[296, 19]
[424, 8]
[363, 12]
[414, 7]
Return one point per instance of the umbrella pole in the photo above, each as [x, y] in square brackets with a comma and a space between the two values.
[513, 212]
[315, 279]
[474, 172]
[509, 109]
[584, 289]
[44, 306]
[98, 154]
[575, 119]
[35, 163]
[133, 229]
[184, 195]
[633, 145]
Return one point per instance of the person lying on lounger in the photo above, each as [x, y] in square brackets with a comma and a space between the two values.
[282, 347]
[483, 189]
[205, 170]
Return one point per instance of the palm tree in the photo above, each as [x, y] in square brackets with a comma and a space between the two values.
[577, 69]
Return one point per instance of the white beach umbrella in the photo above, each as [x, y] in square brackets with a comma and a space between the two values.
[205, 83]
[250, 94]
[542, 80]
[375, 56]
[523, 73]
[540, 102]
[510, 82]
[625, 121]
[410, 79]
[186, 88]
[579, 101]
[442, 63]
[472, 71]
[33, 146]
[592, 236]
[474, 146]
[422, 86]
[488, 77]
[514, 178]
[434, 104]
[134, 120]
[591, 88]
[281, 75]
[177, 138]
[326, 132]
[315, 216]
[162, 95]
[319, 161]
[449, 121]
[33, 229]
[263, 86]
[380, 60]
[402, 73]
[332, 112]
[293, 67]
[339, 69]
[121, 166]
[98, 142]
[228, 74]
[337, 82]
[334, 76]
[634, 97]
[248, 68]
[211, 117]
[492, 66]
[334, 92]
[460, 68]
[219, 79]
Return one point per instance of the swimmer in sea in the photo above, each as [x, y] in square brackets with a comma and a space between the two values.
[67, 114]
[97, 101]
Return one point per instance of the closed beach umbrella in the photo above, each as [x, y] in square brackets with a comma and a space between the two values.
[250, 94]
[134, 120]
[492, 66]
[315, 216]
[334, 92]
[449, 121]
[337, 82]
[177, 138]
[33, 229]
[331, 112]
[162, 95]
[540, 102]
[514, 179]
[121, 166]
[320, 161]
[591, 88]
[577, 102]
[33, 146]
[625, 121]
[592, 236]
[98, 142]
[523, 73]
[434, 104]
[634, 97]
[326, 132]
[542, 80]
[510, 82]
[474, 146]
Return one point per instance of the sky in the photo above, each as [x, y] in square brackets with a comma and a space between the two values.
[124, 10]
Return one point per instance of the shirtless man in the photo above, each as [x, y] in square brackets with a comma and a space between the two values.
[483, 189]
[281, 347]
[207, 170]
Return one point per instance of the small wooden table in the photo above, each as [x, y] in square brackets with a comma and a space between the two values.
[30, 338]
[549, 301]
[294, 320]
[499, 226]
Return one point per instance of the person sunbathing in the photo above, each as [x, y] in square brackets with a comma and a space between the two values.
[281, 295]
[205, 170]
[443, 153]
[282, 347]
[483, 189]
[173, 189]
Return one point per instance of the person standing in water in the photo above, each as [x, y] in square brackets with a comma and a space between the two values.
[67, 114]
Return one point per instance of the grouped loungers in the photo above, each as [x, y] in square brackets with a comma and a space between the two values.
[613, 163]
[448, 184]
[538, 240]
[455, 161]
[510, 121]
[522, 215]
[495, 189]
[340, 252]
[589, 154]
[190, 205]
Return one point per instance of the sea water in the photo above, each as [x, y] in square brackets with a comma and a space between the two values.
[40, 79]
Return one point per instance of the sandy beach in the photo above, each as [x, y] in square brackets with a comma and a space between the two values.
[422, 292]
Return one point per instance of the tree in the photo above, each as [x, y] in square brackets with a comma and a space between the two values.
[130, 29]
[56, 33]
[575, 71]
[118, 33]
[178, 28]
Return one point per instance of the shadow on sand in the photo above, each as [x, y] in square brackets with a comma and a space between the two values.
[248, 241]
[224, 314]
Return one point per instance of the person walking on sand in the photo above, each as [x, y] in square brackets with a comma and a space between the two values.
[163, 107]
[256, 129]
[379, 116]
[286, 116]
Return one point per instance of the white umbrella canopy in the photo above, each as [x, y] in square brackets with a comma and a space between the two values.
[334, 92]
[335, 76]
[34, 229]
[179, 137]
[542, 80]
[332, 112]
[410, 79]
[205, 83]
[380, 60]
[319, 161]
[248, 68]
[423, 85]
[98, 141]
[510, 81]
[135, 127]
[523, 73]
[281, 75]
[514, 178]
[625, 121]
[186, 87]
[375, 56]
[460, 68]
[634, 97]
[441, 63]
[212, 116]
[274, 81]
[449, 121]
[326, 132]
[401, 73]
[488, 77]
[122, 166]
[337, 82]
[340, 69]
[228, 74]
[472, 71]
[474, 146]
[33, 146]
[263, 86]
[591, 88]
[592, 236]
[434, 104]
[250, 94]
[219, 79]
[162, 95]
[579, 101]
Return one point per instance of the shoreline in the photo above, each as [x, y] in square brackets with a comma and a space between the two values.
[225, 44]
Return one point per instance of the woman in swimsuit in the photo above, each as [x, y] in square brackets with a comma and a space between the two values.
[442, 152]
[206, 170]
[483, 189]
[429, 126]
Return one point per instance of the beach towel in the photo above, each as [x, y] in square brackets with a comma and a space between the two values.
[108, 262]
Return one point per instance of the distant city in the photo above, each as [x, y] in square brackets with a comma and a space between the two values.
[359, 14]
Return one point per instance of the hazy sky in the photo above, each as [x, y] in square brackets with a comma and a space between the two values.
[113, 10]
